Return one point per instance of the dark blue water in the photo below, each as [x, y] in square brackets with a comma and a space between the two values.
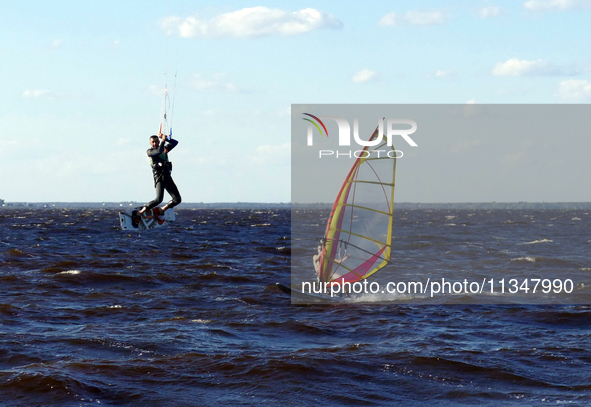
[490, 256]
[189, 315]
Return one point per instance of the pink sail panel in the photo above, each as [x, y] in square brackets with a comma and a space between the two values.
[359, 272]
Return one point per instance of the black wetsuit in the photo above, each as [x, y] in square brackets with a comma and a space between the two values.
[161, 168]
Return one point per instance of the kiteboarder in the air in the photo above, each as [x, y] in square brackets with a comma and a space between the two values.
[161, 167]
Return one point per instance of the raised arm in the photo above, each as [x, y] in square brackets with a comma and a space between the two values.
[170, 144]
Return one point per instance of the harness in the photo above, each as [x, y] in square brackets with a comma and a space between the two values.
[160, 166]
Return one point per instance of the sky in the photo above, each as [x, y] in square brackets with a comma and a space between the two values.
[83, 82]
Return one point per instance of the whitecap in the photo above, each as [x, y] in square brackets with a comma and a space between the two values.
[70, 272]
[531, 259]
[539, 241]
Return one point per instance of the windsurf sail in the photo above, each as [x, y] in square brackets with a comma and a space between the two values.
[358, 236]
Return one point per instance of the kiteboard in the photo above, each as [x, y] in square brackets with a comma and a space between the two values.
[131, 219]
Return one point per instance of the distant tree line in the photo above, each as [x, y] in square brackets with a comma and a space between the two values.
[465, 205]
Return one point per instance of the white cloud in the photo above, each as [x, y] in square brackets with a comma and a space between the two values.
[556, 5]
[285, 112]
[513, 158]
[272, 155]
[425, 17]
[576, 89]
[389, 20]
[504, 92]
[28, 94]
[56, 43]
[56, 166]
[210, 113]
[441, 74]
[156, 90]
[365, 75]
[471, 102]
[47, 94]
[251, 22]
[435, 17]
[490, 11]
[465, 145]
[516, 67]
[216, 83]
[123, 142]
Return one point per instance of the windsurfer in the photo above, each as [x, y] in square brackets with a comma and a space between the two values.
[161, 167]
[316, 258]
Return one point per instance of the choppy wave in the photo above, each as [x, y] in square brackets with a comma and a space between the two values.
[189, 314]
